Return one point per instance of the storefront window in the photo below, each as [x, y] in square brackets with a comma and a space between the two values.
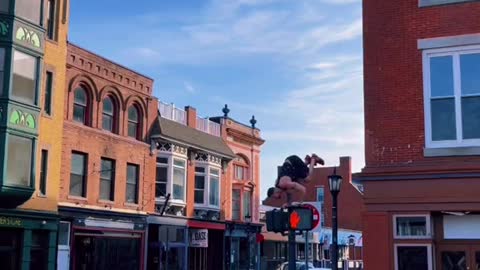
[413, 257]
[29, 9]
[24, 77]
[39, 250]
[10, 254]
[19, 161]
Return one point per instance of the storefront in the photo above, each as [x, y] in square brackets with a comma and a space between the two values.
[96, 235]
[206, 244]
[28, 240]
[242, 251]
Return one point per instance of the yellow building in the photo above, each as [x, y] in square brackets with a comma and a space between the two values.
[33, 49]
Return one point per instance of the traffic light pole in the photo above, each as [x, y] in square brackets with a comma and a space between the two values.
[292, 256]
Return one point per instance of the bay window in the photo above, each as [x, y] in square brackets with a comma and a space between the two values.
[29, 10]
[2, 69]
[214, 183]
[452, 97]
[199, 194]
[19, 162]
[161, 177]
[207, 186]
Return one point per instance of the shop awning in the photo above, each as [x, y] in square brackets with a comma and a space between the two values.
[206, 225]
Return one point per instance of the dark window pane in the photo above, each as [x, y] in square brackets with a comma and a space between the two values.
[47, 103]
[39, 250]
[28, 9]
[443, 119]
[19, 161]
[469, 71]
[200, 169]
[77, 175]
[178, 183]
[107, 176]
[79, 114]
[80, 106]
[43, 172]
[132, 130]
[80, 96]
[161, 181]
[132, 184]
[441, 76]
[2, 68]
[133, 114]
[63, 233]
[24, 77]
[131, 193]
[236, 204]
[214, 195]
[247, 204]
[108, 118]
[199, 181]
[51, 31]
[162, 160]
[454, 260]
[10, 253]
[107, 122]
[199, 196]
[471, 117]
[412, 258]
[4, 6]
[160, 189]
[108, 106]
[105, 190]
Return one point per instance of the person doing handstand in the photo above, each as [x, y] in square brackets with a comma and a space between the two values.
[292, 173]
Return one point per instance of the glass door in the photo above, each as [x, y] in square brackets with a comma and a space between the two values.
[454, 257]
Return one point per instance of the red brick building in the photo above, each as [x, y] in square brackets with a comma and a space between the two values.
[107, 166]
[422, 134]
[350, 205]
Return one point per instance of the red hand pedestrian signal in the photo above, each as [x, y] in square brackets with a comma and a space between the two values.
[294, 220]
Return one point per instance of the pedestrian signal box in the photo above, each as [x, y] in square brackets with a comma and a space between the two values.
[296, 218]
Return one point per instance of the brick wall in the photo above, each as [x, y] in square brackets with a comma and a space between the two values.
[88, 70]
[393, 82]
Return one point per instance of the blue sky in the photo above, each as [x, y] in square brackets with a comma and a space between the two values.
[294, 64]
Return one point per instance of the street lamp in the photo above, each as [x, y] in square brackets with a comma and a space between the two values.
[334, 183]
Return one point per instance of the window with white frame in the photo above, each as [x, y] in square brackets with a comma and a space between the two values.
[179, 174]
[452, 96]
[161, 177]
[207, 186]
[411, 226]
[214, 187]
[413, 256]
[170, 178]
[200, 177]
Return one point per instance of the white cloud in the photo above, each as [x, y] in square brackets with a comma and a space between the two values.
[189, 87]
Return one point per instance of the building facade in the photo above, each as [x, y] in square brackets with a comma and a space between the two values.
[107, 188]
[422, 134]
[32, 76]
[350, 208]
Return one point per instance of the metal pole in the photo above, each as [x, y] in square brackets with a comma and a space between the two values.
[334, 233]
[292, 256]
[306, 250]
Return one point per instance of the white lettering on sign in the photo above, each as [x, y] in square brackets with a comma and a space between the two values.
[199, 238]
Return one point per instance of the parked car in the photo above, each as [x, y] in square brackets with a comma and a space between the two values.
[300, 266]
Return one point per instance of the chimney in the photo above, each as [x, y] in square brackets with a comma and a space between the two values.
[191, 116]
[346, 167]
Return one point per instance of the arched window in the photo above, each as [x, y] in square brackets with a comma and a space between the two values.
[240, 166]
[134, 130]
[81, 106]
[109, 116]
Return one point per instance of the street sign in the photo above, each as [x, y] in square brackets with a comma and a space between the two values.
[316, 215]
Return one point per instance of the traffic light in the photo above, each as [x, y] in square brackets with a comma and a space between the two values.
[297, 218]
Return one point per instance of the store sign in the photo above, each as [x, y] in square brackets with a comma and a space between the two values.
[199, 238]
[10, 222]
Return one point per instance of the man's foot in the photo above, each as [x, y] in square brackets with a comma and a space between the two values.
[318, 160]
[308, 159]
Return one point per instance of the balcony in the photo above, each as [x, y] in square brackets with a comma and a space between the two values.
[207, 126]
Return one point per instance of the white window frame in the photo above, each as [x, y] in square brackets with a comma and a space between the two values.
[171, 158]
[455, 53]
[205, 183]
[66, 247]
[167, 165]
[428, 228]
[206, 194]
[429, 253]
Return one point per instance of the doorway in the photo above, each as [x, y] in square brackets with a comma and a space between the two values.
[459, 257]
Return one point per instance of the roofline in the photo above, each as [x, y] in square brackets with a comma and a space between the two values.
[245, 125]
[108, 60]
[190, 145]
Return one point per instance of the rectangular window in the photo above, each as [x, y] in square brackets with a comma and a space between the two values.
[200, 176]
[107, 179]
[51, 19]
[2, 69]
[321, 200]
[4, 5]
[413, 226]
[43, 172]
[20, 153]
[247, 204]
[78, 175]
[29, 9]
[241, 173]
[452, 92]
[64, 233]
[179, 179]
[418, 257]
[236, 202]
[39, 250]
[132, 183]
[47, 102]
[214, 194]
[161, 177]
[24, 77]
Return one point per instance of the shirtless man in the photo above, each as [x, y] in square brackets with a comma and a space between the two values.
[292, 174]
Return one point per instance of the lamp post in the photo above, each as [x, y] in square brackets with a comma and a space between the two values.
[334, 183]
